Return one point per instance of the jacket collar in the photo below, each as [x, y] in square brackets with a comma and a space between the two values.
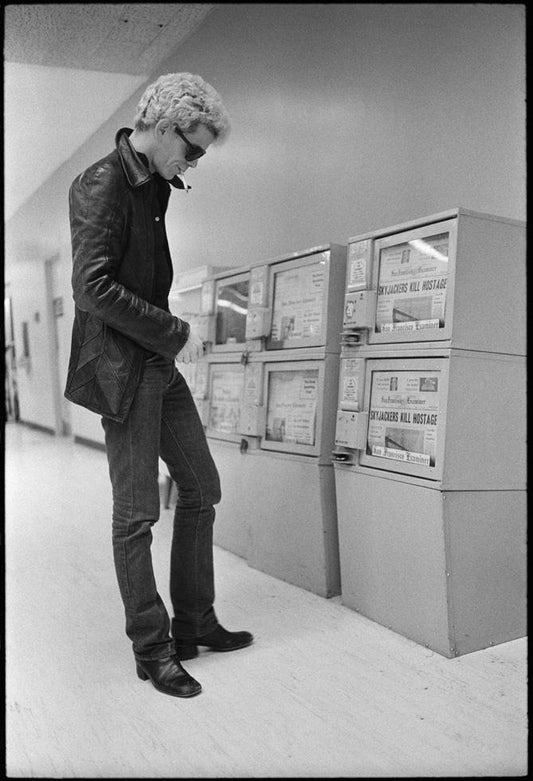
[137, 173]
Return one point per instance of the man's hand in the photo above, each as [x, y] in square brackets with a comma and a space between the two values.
[192, 350]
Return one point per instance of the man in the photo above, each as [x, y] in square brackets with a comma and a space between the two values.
[125, 343]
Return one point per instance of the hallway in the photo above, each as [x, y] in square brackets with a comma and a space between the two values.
[323, 692]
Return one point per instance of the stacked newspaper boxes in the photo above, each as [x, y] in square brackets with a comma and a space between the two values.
[430, 430]
[268, 402]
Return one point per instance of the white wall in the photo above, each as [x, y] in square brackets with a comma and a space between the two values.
[346, 118]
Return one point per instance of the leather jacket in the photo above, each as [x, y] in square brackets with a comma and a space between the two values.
[113, 248]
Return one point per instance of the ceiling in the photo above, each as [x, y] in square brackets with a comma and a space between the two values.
[68, 68]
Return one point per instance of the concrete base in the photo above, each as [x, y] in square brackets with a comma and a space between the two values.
[444, 568]
[279, 513]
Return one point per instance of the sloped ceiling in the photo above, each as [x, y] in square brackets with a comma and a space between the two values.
[68, 67]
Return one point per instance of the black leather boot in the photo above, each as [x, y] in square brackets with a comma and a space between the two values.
[168, 676]
[217, 640]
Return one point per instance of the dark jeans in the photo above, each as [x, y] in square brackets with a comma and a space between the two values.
[163, 421]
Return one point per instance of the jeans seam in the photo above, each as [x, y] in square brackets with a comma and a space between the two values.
[124, 541]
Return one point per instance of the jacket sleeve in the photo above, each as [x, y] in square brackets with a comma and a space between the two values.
[99, 237]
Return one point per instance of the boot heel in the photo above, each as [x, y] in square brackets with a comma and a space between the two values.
[142, 675]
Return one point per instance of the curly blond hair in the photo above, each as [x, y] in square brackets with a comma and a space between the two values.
[187, 100]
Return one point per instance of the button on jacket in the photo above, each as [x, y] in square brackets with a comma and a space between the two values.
[115, 244]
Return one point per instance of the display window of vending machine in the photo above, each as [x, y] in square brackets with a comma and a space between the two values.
[299, 294]
[225, 390]
[406, 403]
[292, 409]
[231, 308]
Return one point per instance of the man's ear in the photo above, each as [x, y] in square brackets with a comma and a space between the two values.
[162, 126]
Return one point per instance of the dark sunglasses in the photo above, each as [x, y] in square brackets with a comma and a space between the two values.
[194, 152]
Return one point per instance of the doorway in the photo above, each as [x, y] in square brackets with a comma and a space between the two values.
[11, 393]
[55, 317]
